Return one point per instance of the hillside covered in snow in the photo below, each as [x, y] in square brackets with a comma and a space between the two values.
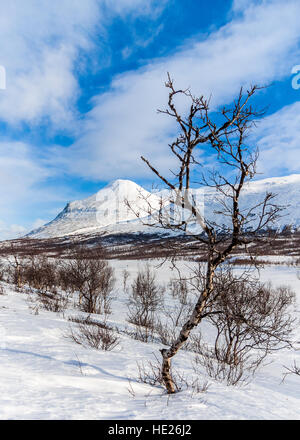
[107, 211]
[46, 375]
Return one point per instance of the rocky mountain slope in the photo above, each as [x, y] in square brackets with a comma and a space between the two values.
[107, 212]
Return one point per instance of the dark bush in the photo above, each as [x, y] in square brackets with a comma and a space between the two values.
[145, 298]
[94, 334]
[251, 320]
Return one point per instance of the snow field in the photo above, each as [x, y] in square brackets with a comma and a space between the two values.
[44, 375]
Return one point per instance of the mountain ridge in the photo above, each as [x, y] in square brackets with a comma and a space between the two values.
[107, 212]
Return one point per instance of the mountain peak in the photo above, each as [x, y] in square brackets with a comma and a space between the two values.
[107, 210]
[122, 184]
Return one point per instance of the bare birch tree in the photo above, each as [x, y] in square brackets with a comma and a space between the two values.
[224, 137]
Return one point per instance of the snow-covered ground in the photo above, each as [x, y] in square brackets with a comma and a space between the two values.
[44, 375]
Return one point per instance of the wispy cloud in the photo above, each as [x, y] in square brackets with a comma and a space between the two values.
[256, 46]
[41, 41]
[11, 231]
[44, 46]
[23, 179]
[278, 140]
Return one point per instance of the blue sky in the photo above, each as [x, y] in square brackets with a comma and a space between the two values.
[84, 80]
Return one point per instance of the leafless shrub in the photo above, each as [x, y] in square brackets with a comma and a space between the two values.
[39, 272]
[65, 277]
[126, 275]
[81, 320]
[218, 369]
[200, 387]
[142, 333]
[2, 271]
[52, 302]
[15, 271]
[176, 313]
[150, 373]
[1, 289]
[165, 331]
[33, 307]
[130, 389]
[145, 298]
[251, 320]
[93, 279]
[35, 271]
[180, 292]
[295, 369]
[94, 334]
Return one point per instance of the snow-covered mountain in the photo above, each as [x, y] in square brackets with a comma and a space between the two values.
[107, 212]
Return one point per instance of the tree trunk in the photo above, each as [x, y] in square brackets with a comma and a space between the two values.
[166, 375]
[192, 322]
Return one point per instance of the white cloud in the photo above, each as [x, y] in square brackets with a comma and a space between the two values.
[18, 171]
[258, 46]
[279, 142]
[38, 223]
[43, 46]
[49, 90]
[41, 41]
[23, 189]
[152, 8]
[241, 5]
[11, 231]
[8, 232]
